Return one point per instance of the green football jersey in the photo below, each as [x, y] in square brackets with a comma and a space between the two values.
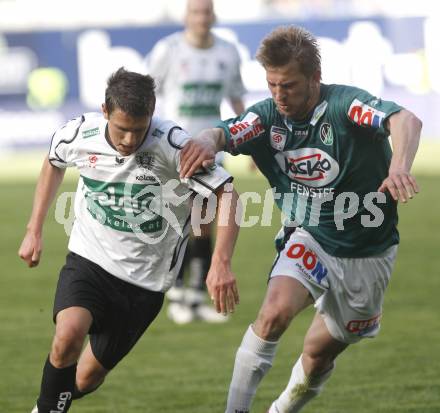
[325, 171]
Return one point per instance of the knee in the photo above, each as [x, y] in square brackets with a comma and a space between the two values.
[66, 346]
[271, 324]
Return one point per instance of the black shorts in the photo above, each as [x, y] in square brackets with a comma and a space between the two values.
[121, 311]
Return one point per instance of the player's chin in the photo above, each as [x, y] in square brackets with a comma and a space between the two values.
[285, 110]
[125, 151]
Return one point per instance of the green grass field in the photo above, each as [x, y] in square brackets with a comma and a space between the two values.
[187, 368]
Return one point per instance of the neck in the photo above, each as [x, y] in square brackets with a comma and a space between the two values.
[203, 42]
[313, 100]
[309, 105]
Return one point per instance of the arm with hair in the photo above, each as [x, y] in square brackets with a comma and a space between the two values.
[221, 283]
[405, 130]
[201, 151]
[48, 183]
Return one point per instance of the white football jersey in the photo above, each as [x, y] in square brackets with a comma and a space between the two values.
[194, 81]
[132, 213]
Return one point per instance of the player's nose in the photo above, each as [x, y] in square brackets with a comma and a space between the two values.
[130, 139]
[278, 94]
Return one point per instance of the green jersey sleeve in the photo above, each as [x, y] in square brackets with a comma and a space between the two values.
[248, 130]
[367, 111]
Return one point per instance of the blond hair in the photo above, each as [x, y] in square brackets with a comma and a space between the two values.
[290, 43]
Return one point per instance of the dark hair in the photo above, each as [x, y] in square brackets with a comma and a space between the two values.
[130, 92]
[290, 43]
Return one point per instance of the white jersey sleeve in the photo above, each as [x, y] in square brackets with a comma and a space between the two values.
[205, 181]
[62, 148]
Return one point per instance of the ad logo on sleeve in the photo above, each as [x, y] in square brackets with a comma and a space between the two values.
[278, 138]
[312, 166]
[365, 115]
[243, 130]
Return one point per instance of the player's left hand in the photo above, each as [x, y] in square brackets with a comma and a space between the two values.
[222, 288]
[401, 185]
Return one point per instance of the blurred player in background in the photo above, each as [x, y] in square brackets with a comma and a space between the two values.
[195, 70]
[129, 236]
[325, 151]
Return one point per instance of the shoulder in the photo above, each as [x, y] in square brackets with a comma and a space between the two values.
[265, 105]
[168, 133]
[265, 109]
[86, 125]
[225, 46]
[256, 118]
[341, 97]
[222, 42]
[169, 42]
[342, 93]
[77, 129]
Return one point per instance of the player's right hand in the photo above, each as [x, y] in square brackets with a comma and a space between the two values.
[222, 287]
[30, 249]
[195, 154]
[401, 185]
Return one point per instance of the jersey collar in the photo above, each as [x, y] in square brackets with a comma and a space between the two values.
[313, 120]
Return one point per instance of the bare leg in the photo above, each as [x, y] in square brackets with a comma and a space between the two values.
[90, 372]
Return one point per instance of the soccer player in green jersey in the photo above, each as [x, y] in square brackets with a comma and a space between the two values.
[325, 151]
[133, 215]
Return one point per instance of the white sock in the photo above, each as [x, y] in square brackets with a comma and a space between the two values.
[252, 361]
[300, 390]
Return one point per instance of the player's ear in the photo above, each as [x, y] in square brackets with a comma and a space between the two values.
[104, 111]
[317, 76]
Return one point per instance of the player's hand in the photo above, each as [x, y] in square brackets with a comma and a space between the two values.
[195, 154]
[401, 185]
[222, 287]
[30, 249]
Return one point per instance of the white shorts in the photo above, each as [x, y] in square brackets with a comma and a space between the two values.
[348, 292]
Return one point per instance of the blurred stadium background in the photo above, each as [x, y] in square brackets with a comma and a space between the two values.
[55, 57]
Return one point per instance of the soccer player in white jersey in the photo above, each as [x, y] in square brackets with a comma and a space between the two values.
[195, 70]
[129, 236]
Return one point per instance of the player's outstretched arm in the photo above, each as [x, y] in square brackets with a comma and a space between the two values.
[200, 151]
[221, 282]
[405, 130]
[48, 183]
